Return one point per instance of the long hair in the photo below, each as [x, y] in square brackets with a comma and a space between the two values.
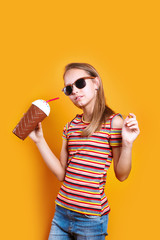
[101, 111]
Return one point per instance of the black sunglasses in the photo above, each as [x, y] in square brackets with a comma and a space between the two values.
[79, 83]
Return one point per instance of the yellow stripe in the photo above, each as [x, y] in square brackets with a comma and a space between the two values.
[80, 179]
[90, 150]
[75, 189]
[109, 161]
[88, 160]
[75, 200]
[80, 140]
[84, 170]
[78, 210]
[116, 144]
[105, 207]
[83, 181]
[103, 198]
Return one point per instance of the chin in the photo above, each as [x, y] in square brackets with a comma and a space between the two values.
[79, 105]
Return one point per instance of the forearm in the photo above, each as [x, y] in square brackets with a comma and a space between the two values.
[51, 160]
[123, 167]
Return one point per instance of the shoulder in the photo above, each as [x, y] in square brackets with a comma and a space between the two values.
[74, 121]
[117, 121]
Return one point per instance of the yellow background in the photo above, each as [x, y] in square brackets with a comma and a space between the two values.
[121, 40]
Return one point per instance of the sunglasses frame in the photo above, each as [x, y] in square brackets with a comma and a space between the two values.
[71, 85]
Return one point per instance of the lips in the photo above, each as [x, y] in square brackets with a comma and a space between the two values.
[78, 98]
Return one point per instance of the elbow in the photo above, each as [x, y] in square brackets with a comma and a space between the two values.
[122, 178]
[61, 176]
[122, 175]
[61, 179]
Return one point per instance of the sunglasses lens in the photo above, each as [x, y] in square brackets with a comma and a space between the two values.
[80, 83]
[68, 90]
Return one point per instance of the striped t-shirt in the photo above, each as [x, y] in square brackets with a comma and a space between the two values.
[88, 161]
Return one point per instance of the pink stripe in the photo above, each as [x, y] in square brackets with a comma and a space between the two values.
[98, 207]
[89, 163]
[80, 193]
[81, 182]
[87, 173]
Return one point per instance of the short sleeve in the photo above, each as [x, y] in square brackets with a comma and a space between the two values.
[65, 130]
[115, 134]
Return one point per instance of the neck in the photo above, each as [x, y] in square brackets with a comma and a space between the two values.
[88, 110]
[87, 114]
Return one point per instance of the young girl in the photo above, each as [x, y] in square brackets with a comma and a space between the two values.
[90, 141]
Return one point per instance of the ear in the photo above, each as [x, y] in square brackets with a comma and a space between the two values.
[97, 82]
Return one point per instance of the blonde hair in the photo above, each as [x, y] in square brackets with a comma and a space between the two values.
[101, 111]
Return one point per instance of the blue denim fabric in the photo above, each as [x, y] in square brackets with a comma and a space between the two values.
[70, 225]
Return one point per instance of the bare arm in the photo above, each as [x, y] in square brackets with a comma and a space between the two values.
[55, 165]
[123, 155]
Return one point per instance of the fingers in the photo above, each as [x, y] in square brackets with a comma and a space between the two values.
[39, 126]
[133, 127]
[131, 115]
[131, 122]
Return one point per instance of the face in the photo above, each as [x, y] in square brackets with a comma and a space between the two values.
[86, 96]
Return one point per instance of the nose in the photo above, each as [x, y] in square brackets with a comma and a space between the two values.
[74, 89]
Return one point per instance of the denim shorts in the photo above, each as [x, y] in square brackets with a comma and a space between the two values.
[71, 225]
